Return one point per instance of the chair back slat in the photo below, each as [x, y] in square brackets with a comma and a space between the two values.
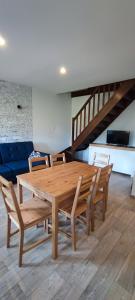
[44, 163]
[84, 190]
[57, 159]
[104, 176]
[83, 196]
[101, 159]
[7, 193]
[85, 187]
[10, 199]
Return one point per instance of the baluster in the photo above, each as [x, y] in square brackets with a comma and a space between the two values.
[93, 113]
[80, 121]
[84, 116]
[88, 112]
[76, 126]
[108, 92]
[98, 101]
[103, 100]
[73, 132]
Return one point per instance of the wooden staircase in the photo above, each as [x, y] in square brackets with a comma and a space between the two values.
[103, 106]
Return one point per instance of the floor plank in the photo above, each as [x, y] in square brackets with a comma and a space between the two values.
[126, 277]
[117, 292]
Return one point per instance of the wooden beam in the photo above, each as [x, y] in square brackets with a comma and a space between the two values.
[90, 90]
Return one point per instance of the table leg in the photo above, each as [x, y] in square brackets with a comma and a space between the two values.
[54, 229]
[20, 194]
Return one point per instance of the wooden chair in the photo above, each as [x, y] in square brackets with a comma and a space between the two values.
[101, 192]
[24, 216]
[101, 159]
[44, 163]
[57, 159]
[80, 205]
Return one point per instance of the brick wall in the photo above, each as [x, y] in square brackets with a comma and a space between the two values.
[15, 124]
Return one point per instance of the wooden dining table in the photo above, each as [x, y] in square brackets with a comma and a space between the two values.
[55, 184]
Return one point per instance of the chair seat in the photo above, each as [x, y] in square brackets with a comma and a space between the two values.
[82, 206]
[99, 197]
[32, 211]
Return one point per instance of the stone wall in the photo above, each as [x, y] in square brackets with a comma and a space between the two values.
[15, 124]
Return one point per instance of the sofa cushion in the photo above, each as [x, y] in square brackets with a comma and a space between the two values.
[29, 148]
[18, 167]
[15, 151]
[0, 159]
[5, 172]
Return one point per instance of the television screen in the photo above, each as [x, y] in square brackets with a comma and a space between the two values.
[118, 137]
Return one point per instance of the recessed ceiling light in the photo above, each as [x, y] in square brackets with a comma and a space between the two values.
[2, 41]
[63, 71]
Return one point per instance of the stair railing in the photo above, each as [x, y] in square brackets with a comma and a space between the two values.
[100, 96]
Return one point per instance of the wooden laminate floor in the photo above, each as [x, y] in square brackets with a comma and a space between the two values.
[103, 267]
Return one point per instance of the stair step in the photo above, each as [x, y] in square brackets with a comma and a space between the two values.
[121, 105]
[113, 112]
[130, 95]
[107, 119]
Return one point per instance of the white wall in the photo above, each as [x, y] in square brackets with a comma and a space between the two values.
[83, 155]
[126, 121]
[51, 121]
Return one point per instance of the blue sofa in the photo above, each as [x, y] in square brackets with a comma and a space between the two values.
[14, 159]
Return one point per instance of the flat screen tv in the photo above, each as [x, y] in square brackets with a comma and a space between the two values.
[118, 137]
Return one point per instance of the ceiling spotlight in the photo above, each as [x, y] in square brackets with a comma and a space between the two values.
[63, 71]
[2, 41]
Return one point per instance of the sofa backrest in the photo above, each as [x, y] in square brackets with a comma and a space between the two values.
[15, 151]
[0, 159]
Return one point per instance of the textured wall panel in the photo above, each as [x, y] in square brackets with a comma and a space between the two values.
[15, 124]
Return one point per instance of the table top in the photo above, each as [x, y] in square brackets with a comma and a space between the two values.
[55, 182]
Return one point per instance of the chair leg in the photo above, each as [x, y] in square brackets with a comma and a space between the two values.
[106, 198]
[92, 218]
[21, 247]
[73, 234]
[8, 231]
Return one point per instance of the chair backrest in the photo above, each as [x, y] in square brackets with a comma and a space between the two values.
[84, 190]
[104, 176]
[43, 163]
[57, 159]
[10, 199]
[101, 159]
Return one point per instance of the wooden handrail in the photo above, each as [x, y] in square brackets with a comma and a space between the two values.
[89, 91]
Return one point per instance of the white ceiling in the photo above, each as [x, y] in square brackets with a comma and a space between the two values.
[94, 39]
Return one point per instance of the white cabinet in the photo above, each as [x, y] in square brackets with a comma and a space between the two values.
[123, 158]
